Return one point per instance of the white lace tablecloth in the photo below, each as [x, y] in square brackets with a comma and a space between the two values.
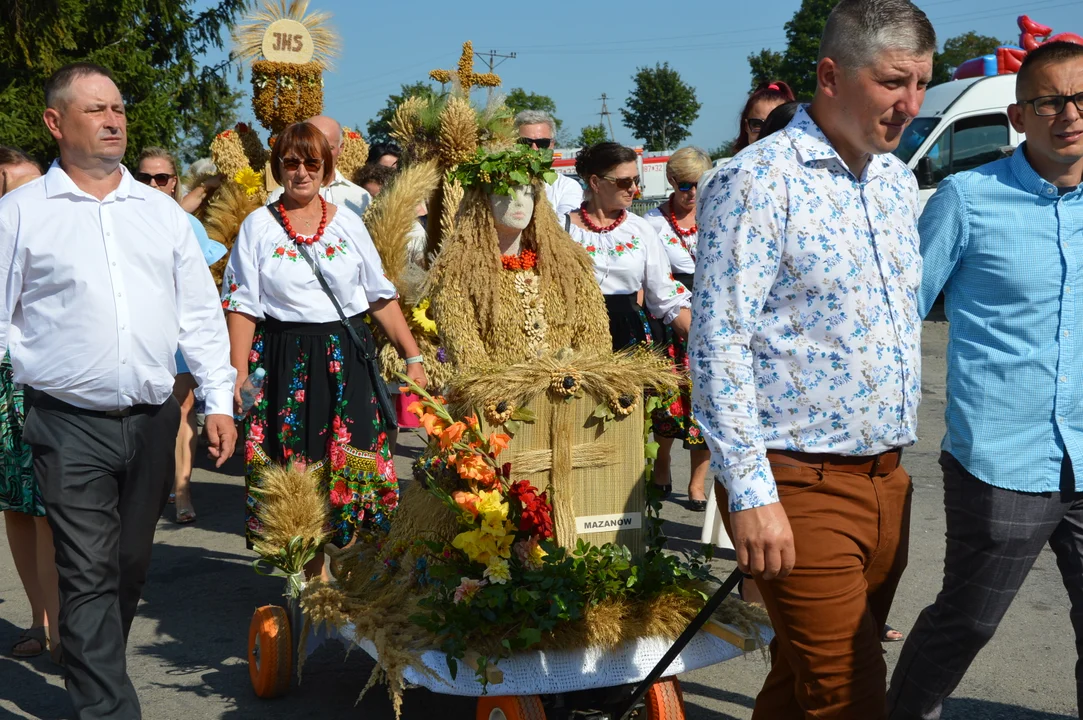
[545, 672]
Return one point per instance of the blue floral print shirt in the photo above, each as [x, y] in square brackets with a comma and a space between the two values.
[805, 328]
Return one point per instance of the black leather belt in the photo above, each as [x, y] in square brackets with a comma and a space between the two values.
[45, 401]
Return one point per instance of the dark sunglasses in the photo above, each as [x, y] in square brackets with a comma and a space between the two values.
[755, 124]
[159, 179]
[623, 183]
[291, 164]
[686, 186]
[542, 143]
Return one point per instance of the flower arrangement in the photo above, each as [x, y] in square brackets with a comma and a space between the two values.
[499, 172]
[420, 316]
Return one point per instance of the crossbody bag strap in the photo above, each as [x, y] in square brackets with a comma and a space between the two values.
[334, 301]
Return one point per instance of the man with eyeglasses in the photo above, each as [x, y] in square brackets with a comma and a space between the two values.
[536, 131]
[1005, 244]
[339, 191]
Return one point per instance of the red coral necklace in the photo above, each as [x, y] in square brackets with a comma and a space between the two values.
[596, 228]
[293, 234]
[525, 260]
[672, 218]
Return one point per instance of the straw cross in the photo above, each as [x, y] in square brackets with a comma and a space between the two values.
[465, 73]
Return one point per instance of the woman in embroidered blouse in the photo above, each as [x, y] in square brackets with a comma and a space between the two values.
[319, 405]
[675, 222]
[627, 253]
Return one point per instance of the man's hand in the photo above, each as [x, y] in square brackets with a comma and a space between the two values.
[221, 437]
[764, 541]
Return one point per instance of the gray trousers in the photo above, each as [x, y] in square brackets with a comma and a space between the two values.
[994, 536]
[104, 481]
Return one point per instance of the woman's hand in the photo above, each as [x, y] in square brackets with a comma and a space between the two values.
[682, 323]
[241, 378]
[416, 373]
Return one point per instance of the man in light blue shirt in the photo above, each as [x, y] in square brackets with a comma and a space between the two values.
[1005, 244]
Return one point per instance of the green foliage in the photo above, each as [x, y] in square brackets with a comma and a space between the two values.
[499, 172]
[592, 135]
[958, 50]
[518, 100]
[797, 64]
[724, 150]
[153, 48]
[379, 128]
[661, 107]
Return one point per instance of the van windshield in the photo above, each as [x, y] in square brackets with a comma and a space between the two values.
[914, 135]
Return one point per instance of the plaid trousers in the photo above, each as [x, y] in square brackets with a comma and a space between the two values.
[993, 538]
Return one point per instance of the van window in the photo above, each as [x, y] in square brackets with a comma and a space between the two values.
[970, 142]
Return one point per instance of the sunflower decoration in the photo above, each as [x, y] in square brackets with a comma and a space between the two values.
[420, 315]
[250, 180]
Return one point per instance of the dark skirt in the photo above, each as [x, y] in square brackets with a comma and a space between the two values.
[18, 490]
[318, 407]
[674, 419]
[630, 324]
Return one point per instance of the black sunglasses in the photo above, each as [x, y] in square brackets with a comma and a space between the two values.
[1051, 105]
[686, 186]
[541, 143]
[623, 183]
[291, 164]
[160, 179]
[755, 124]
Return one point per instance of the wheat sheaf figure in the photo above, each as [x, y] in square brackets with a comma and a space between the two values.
[248, 36]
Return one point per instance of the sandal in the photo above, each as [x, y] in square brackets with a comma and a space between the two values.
[31, 635]
[185, 516]
[891, 635]
[697, 505]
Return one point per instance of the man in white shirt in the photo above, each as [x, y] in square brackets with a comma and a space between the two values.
[536, 131]
[105, 280]
[339, 191]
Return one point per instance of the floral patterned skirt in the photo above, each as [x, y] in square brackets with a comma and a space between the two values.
[318, 407]
[18, 490]
[674, 419]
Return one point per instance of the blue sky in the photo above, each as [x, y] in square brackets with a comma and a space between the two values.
[575, 51]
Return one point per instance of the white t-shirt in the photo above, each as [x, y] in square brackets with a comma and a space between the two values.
[681, 250]
[267, 277]
[564, 195]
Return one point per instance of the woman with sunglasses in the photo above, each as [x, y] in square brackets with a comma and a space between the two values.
[765, 98]
[322, 404]
[155, 167]
[675, 222]
[627, 253]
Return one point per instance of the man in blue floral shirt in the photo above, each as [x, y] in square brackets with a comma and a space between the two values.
[805, 354]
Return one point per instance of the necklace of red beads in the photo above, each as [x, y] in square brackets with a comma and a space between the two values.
[597, 228]
[297, 237]
[526, 260]
[672, 218]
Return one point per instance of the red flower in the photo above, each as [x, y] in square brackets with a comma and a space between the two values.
[676, 408]
[619, 248]
[340, 494]
[255, 433]
[338, 457]
[536, 515]
[591, 248]
[253, 356]
[334, 366]
[233, 287]
[299, 396]
[225, 304]
[330, 252]
[280, 251]
[249, 451]
[389, 499]
[680, 289]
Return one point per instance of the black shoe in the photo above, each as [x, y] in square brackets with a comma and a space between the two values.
[665, 490]
[697, 505]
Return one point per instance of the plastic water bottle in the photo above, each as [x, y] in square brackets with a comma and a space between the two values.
[249, 390]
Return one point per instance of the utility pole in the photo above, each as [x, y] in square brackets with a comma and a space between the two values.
[606, 116]
[491, 58]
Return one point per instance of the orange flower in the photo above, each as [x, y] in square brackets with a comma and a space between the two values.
[472, 421]
[498, 443]
[416, 408]
[433, 424]
[467, 501]
[473, 467]
[452, 435]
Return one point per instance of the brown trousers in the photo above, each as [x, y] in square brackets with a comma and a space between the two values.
[851, 531]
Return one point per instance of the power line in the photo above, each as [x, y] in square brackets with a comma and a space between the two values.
[606, 116]
[493, 55]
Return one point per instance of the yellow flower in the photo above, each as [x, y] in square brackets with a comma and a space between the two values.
[421, 317]
[498, 571]
[492, 508]
[249, 179]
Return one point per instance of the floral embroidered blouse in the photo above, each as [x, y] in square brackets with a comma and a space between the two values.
[267, 277]
[805, 333]
[630, 258]
[681, 250]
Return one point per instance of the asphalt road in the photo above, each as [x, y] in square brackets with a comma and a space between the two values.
[187, 654]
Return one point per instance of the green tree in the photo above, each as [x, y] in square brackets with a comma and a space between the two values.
[379, 128]
[724, 150]
[661, 107]
[797, 64]
[958, 50]
[591, 135]
[152, 47]
[518, 100]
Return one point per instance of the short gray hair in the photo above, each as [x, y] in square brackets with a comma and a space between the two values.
[535, 117]
[857, 31]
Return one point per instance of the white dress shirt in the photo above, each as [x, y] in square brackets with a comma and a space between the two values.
[681, 250]
[101, 293]
[339, 192]
[267, 277]
[564, 195]
[631, 258]
[805, 329]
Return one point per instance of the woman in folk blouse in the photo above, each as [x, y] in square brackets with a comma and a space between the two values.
[675, 222]
[318, 405]
[627, 253]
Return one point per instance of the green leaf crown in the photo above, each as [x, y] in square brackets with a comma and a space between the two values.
[499, 172]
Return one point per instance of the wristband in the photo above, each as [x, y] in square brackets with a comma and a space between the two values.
[414, 360]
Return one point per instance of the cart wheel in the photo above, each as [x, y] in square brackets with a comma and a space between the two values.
[664, 701]
[510, 707]
[270, 651]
